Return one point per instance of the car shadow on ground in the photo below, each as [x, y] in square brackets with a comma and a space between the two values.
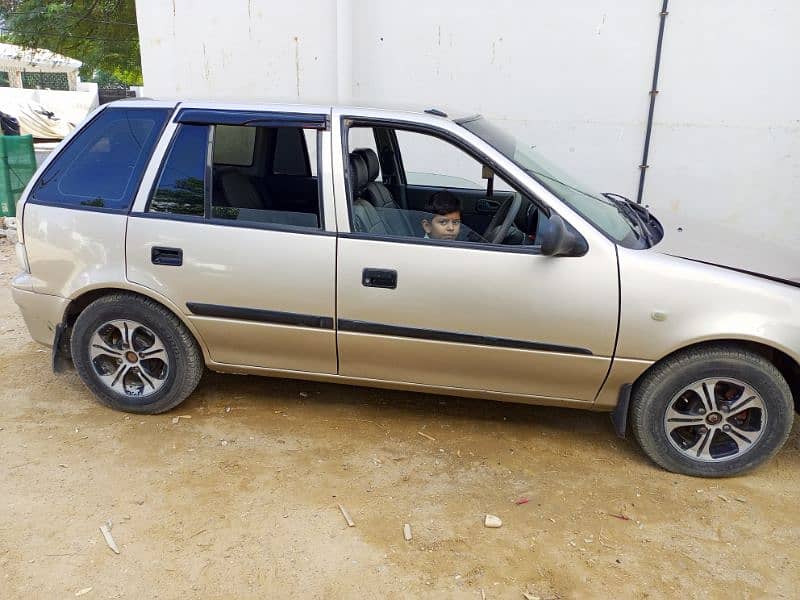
[515, 420]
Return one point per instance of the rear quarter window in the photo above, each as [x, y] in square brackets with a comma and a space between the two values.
[103, 165]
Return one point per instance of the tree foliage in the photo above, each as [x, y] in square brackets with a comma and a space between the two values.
[102, 34]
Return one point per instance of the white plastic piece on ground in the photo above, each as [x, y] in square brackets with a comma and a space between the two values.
[493, 522]
[109, 540]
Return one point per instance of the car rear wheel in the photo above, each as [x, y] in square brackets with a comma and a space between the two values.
[135, 355]
[714, 411]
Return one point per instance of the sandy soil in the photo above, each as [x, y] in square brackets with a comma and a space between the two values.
[240, 500]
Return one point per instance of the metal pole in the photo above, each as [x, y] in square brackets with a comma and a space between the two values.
[653, 93]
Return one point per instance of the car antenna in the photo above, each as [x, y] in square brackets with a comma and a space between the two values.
[436, 111]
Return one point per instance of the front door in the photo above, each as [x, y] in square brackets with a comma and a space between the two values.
[233, 234]
[466, 313]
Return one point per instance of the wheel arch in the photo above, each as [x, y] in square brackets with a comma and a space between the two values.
[786, 365]
[85, 297]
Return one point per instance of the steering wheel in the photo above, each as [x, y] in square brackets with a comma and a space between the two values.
[503, 219]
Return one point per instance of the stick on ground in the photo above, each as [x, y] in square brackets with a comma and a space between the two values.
[347, 517]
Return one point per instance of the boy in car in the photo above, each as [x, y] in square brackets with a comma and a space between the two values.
[443, 221]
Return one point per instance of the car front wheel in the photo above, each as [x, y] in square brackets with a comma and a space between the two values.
[713, 411]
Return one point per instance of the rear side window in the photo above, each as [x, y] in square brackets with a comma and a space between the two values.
[180, 188]
[258, 175]
[103, 165]
[234, 145]
[291, 156]
[278, 188]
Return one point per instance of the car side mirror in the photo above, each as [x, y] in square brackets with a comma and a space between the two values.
[559, 239]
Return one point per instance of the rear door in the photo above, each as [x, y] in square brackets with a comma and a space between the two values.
[240, 246]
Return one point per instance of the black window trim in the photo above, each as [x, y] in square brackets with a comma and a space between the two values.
[233, 223]
[208, 189]
[31, 199]
[160, 172]
[251, 118]
[97, 209]
[208, 178]
[320, 187]
[348, 121]
[532, 249]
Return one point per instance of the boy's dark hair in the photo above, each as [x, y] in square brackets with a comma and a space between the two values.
[443, 203]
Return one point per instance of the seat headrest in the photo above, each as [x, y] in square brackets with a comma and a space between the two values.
[371, 160]
[358, 173]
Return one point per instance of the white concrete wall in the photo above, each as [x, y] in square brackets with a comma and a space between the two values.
[726, 141]
[243, 49]
[572, 78]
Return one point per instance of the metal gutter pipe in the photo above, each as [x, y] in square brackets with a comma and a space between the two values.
[653, 93]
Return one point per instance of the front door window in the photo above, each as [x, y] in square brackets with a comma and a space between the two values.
[409, 184]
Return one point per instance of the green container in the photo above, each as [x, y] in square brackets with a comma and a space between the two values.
[17, 166]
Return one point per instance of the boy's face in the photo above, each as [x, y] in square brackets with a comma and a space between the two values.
[443, 227]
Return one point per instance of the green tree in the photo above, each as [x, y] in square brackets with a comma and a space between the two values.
[102, 34]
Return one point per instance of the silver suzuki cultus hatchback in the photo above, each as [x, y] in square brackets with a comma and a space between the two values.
[406, 250]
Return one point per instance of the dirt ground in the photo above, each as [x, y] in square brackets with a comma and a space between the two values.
[241, 499]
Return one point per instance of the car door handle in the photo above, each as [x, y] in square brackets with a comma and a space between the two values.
[172, 257]
[379, 278]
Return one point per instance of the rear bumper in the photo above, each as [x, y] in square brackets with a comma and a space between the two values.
[42, 312]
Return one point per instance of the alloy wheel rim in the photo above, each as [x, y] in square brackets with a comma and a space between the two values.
[715, 419]
[129, 358]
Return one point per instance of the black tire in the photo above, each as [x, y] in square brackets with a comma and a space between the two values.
[185, 358]
[657, 391]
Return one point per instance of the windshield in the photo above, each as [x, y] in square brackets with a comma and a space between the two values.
[601, 212]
